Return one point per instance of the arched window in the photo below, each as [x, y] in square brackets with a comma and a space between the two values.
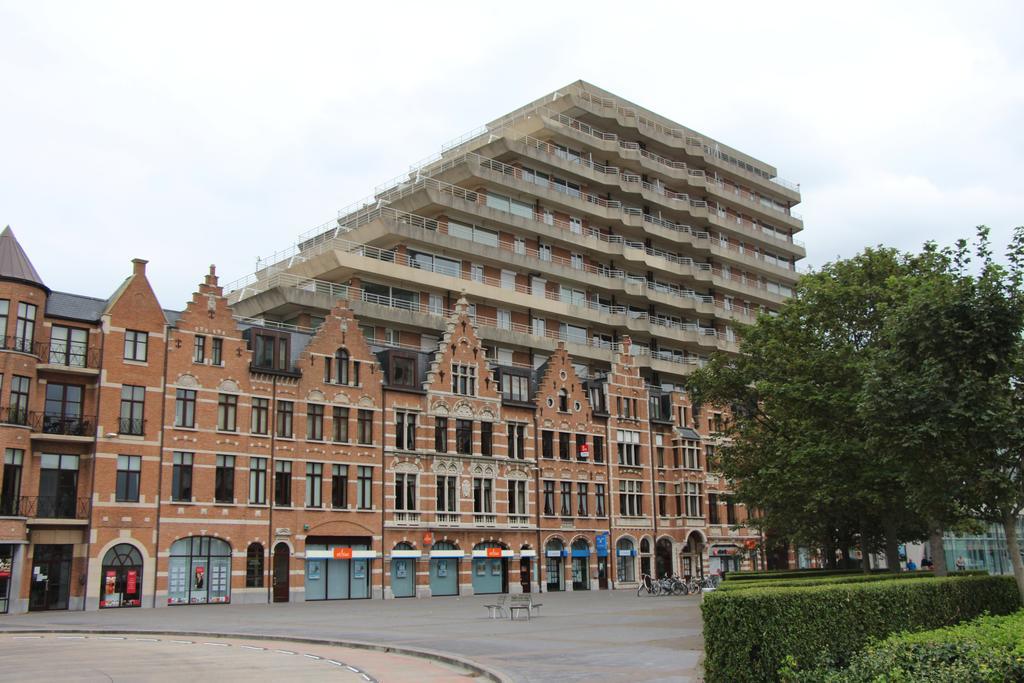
[199, 571]
[624, 560]
[563, 400]
[254, 566]
[403, 545]
[123, 555]
[444, 545]
[122, 577]
[581, 544]
[341, 361]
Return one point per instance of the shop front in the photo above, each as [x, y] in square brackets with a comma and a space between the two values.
[7, 552]
[199, 571]
[122, 577]
[554, 552]
[50, 587]
[403, 570]
[338, 568]
[490, 568]
[444, 568]
[601, 548]
[724, 558]
[625, 561]
[580, 565]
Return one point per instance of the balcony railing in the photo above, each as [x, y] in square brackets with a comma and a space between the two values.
[131, 426]
[409, 518]
[68, 354]
[485, 520]
[14, 415]
[448, 518]
[61, 424]
[50, 507]
[22, 344]
[518, 520]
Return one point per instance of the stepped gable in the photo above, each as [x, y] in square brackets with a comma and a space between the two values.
[460, 343]
[208, 311]
[559, 374]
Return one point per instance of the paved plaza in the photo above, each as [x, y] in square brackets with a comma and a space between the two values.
[592, 636]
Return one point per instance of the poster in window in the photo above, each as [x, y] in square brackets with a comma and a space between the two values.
[359, 570]
[313, 571]
[495, 567]
[401, 570]
[110, 582]
[481, 568]
[199, 577]
[133, 581]
[442, 568]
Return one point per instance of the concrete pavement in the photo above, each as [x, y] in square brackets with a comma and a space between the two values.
[592, 636]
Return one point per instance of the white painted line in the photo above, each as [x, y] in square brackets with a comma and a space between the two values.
[27, 637]
[111, 638]
[352, 668]
[335, 662]
[311, 656]
[365, 676]
[285, 652]
[252, 647]
[148, 640]
[217, 644]
[183, 642]
[70, 637]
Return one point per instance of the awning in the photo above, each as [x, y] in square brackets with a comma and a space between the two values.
[448, 553]
[343, 554]
[402, 554]
[577, 552]
[501, 553]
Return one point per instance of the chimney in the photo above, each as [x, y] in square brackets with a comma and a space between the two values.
[211, 279]
[139, 266]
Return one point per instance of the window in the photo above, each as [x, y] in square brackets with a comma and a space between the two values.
[58, 486]
[483, 489]
[199, 349]
[364, 488]
[504, 319]
[516, 440]
[132, 405]
[599, 500]
[539, 324]
[576, 260]
[464, 437]
[365, 427]
[260, 415]
[227, 412]
[341, 362]
[62, 410]
[662, 500]
[285, 415]
[629, 447]
[199, 571]
[181, 477]
[254, 566]
[679, 499]
[709, 456]
[339, 487]
[544, 252]
[403, 370]
[135, 345]
[441, 434]
[68, 345]
[447, 494]
[691, 455]
[581, 446]
[258, 481]
[486, 438]
[185, 408]
[283, 483]
[129, 468]
[581, 496]
[340, 425]
[224, 479]
[315, 422]
[10, 494]
[5, 307]
[564, 445]
[328, 370]
[271, 351]
[693, 498]
[405, 491]
[516, 497]
[549, 497]
[625, 564]
[565, 509]
[515, 387]
[314, 484]
[477, 273]
[25, 327]
[18, 413]
[548, 443]
[598, 449]
[630, 497]
[730, 511]
[217, 352]
[464, 379]
[405, 430]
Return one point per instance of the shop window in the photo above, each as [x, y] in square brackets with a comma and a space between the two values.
[199, 571]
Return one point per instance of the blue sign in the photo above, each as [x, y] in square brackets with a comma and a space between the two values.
[601, 544]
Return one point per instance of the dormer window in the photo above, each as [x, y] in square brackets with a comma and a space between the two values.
[270, 350]
[403, 370]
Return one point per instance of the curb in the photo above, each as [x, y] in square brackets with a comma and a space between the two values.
[433, 655]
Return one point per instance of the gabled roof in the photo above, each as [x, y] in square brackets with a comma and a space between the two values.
[74, 306]
[14, 263]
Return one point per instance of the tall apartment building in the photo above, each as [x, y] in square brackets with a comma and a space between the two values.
[508, 418]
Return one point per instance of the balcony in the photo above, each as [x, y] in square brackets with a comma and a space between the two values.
[406, 518]
[60, 427]
[68, 357]
[14, 415]
[518, 521]
[131, 426]
[19, 344]
[485, 520]
[448, 518]
[47, 507]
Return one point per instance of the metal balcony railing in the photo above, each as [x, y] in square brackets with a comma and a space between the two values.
[19, 343]
[68, 354]
[14, 415]
[61, 424]
[132, 426]
[52, 507]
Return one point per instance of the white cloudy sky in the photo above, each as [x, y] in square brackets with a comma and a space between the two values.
[192, 133]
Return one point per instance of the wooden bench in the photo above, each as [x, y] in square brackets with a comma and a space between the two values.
[522, 603]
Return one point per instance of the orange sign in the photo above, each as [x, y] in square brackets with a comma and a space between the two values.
[750, 544]
[428, 538]
[494, 552]
[343, 553]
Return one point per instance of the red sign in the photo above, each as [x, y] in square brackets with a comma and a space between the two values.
[494, 552]
[584, 450]
[428, 538]
[750, 544]
[343, 553]
[133, 578]
[110, 581]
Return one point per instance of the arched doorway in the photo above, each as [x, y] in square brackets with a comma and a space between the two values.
[444, 568]
[663, 557]
[122, 577]
[553, 565]
[526, 559]
[254, 566]
[199, 571]
[282, 570]
[580, 565]
[625, 562]
[645, 556]
[403, 572]
[490, 569]
[693, 555]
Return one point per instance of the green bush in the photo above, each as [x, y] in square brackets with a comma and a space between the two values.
[832, 580]
[987, 650]
[750, 634]
[793, 574]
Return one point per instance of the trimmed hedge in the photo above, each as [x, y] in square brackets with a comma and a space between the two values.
[986, 650]
[793, 574]
[834, 580]
[750, 634]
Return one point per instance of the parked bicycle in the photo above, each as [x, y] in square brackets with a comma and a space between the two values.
[649, 585]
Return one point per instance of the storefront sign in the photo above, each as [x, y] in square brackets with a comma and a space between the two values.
[526, 552]
[342, 553]
[584, 451]
[428, 538]
[750, 544]
[133, 582]
[601, 544]
[494, 552]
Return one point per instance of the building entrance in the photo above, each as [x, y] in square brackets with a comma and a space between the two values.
[281, 571]
[122, 577]
[51, 577]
